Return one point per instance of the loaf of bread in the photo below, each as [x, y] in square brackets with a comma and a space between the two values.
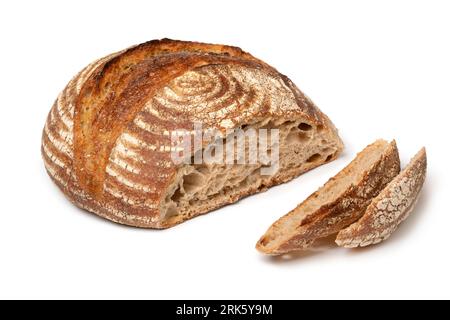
[107, 141]
[340, 202]
[390, 208]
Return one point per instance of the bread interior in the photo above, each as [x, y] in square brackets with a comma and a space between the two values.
[286, 227]
[202, 187]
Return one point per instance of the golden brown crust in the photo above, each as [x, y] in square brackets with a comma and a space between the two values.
[116, 91]
[391, 207]
[102, 117]
[331, 217]
[113, 95]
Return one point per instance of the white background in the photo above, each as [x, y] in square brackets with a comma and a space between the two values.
[377, 68]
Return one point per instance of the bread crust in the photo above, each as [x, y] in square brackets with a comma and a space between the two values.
[331, 217]
[95, 117]
[390, 208]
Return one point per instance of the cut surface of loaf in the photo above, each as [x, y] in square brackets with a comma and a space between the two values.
[390, 208]
[340, 202]
[107, 142]
[204, 187]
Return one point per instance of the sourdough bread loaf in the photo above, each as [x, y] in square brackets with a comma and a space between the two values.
[107, 145]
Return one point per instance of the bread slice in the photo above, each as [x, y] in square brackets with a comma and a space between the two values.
[390, 208]
[340, 202]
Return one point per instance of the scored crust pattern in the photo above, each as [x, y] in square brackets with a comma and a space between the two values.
[106, 142]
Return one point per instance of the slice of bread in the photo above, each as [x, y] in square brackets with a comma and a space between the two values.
[340, 202]
[390, 208]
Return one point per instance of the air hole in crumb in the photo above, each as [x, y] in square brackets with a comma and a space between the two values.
[304, 126]
[329, 158]
[177, 195]
[192, 182]
[314, 157]
[296, 137]
[303, 136]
